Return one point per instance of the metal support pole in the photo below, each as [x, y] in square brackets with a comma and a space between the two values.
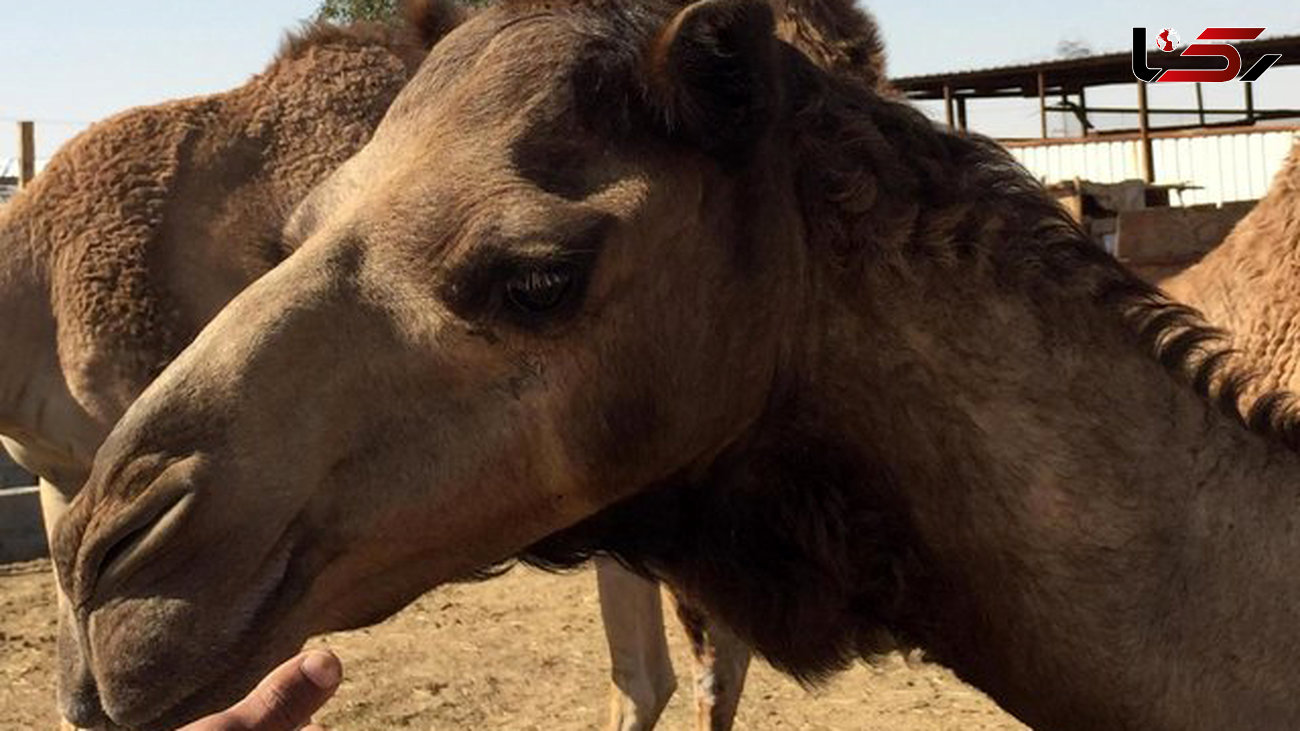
[1083, 109]
[947, 105]
[1144, 128]
[1042, 103]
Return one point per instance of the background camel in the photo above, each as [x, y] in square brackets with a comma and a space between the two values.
[841, 377]
[148, 224]
[1250, 284]
[144, 226]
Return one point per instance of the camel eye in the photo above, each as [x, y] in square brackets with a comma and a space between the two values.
[540, 290]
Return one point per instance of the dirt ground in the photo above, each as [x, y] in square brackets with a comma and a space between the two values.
[524, 651]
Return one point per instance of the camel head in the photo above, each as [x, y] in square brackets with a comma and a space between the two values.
[558, 274]
[142, 227]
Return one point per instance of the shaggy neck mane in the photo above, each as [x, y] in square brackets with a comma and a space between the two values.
[792, 511]
[867, 163]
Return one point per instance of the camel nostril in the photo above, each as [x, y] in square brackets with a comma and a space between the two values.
[77, 692]
[83, 709]
[138, 538]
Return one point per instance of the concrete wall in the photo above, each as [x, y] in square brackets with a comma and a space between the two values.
[11, 475]
[22, 537]
[1160, 242]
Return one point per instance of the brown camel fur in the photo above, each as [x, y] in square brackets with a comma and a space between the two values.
[642, 279]
[144, 226]
[193, 195]
[1250, 284]
[836, 35]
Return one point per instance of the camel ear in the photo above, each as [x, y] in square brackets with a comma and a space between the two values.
[433, 19]
[713, 71]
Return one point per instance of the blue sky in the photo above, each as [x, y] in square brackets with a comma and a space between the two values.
[68, 62]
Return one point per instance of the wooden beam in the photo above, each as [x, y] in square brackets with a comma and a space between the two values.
[1200, 103]
[961, 114]
[1258, 113]
[26, 153]
[1250, 101]
[1184, 130]
[1144, 132]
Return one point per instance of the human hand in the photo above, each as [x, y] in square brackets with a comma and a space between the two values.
[284, 700]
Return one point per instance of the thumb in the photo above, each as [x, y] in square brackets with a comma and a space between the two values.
[285, 699]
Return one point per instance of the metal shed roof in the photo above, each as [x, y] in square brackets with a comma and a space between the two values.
[1068, 76]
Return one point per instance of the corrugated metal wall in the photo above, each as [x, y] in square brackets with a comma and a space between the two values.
[1235, 166]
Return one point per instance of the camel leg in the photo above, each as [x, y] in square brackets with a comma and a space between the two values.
[720, 662]
[641, 670]
[54, 505]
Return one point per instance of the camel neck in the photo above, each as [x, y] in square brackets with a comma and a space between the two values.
[25, 322]
[44, 427]
[1247, 284]
[1104, 548]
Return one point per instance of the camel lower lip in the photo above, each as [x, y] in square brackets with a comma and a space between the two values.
[268, 599]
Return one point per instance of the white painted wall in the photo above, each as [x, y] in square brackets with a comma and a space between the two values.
[1228, 166]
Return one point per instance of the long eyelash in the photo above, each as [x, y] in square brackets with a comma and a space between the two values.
[472, 291]
[542, 259]
[545, 278]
